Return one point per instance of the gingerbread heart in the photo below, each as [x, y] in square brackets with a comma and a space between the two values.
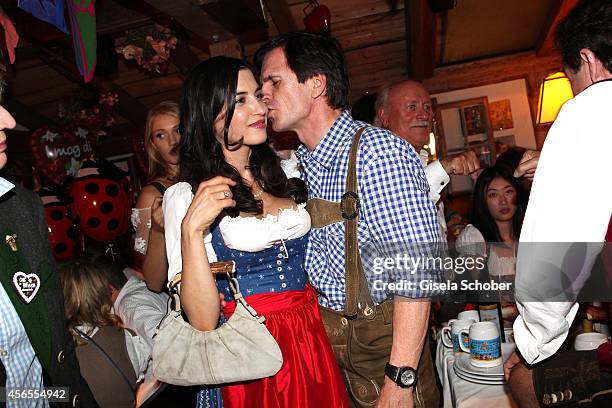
[27, 285]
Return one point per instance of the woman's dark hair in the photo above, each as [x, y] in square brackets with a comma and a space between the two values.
[311, 54]
[586, 26]
[511, 158]
[208, 89]
[481, 217]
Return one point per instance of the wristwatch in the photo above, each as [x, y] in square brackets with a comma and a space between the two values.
[403, 376]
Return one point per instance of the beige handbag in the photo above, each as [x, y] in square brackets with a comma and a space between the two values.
[242, 349]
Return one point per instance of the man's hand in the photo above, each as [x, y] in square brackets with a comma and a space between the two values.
[462, 164]
[513, 360]
[527, 165]
[394, 396]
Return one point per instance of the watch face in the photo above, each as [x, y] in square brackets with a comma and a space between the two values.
[407, 377]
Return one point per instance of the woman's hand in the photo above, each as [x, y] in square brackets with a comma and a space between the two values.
[210, 199]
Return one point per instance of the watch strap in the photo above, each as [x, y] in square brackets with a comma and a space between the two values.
[394, 373]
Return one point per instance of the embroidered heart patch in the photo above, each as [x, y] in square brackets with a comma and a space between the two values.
[26, 285]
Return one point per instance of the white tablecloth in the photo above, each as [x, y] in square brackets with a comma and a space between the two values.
[459, 393]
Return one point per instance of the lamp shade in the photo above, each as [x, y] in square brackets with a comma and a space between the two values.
[554, 92]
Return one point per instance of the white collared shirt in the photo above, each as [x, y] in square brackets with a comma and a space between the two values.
[570, 202]
[5, 186]
[141, 311]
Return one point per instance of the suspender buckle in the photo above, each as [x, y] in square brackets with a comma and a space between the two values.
[349, 199]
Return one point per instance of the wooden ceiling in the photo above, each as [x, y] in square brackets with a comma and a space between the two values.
[383, 40]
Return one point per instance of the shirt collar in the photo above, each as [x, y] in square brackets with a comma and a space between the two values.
[424, 157]
[5, 186]
[326, 152]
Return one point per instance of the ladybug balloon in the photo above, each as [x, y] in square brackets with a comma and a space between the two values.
[102, 200]
[63, 234]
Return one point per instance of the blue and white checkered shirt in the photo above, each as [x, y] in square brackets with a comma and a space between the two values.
[393, 193]
[23, 370]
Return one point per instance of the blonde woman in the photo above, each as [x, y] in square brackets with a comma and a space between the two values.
[101, 342]
[161, 138]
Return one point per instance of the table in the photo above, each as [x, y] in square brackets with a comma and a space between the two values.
[459, 393]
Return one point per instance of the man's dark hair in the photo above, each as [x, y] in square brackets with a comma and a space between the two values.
[588, 25]
[313, 54]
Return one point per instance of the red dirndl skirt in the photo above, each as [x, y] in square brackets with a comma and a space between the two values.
[309, 376]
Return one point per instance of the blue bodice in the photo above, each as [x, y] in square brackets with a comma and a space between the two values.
[276, 269]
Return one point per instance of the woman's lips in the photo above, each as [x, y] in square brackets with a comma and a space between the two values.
[505, 211]
[2, 147]
[260, 124]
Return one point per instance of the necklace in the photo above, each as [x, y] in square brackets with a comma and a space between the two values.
[258, 194]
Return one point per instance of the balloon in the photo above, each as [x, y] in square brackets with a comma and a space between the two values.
[63, 233]
[57, 153]
[318, 19]
[102, 201]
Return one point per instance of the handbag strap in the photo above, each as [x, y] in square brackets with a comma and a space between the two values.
[227, 267]
[110, 360]
[235, 288]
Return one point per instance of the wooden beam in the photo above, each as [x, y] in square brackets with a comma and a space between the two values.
[229, 48]
[184, 58]
[188, 14]
[116, 16]
[250, 17]
[127, 106]
[491, 70]
[420, 39]
[546, 43]
[281, 15]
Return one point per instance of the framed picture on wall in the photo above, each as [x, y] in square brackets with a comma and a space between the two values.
[475, 123]
[465, 125]
[509, 108]
[501, 115]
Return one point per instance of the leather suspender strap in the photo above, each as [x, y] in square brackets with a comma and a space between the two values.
[349, 206]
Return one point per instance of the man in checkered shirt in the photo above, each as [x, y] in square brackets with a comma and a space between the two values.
[305, 86]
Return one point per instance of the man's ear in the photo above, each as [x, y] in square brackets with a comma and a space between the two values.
[318, 85]
[595, 67]
[381, 119]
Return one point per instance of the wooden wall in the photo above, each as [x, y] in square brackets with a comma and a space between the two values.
[526, 65]
[372, 34]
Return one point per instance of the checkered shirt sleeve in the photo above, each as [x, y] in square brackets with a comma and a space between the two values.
[393, 191]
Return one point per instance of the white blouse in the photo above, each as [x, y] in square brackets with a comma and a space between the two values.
[471, 242]
[249, 234]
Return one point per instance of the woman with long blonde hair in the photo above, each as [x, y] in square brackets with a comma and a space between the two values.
[161, 138]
